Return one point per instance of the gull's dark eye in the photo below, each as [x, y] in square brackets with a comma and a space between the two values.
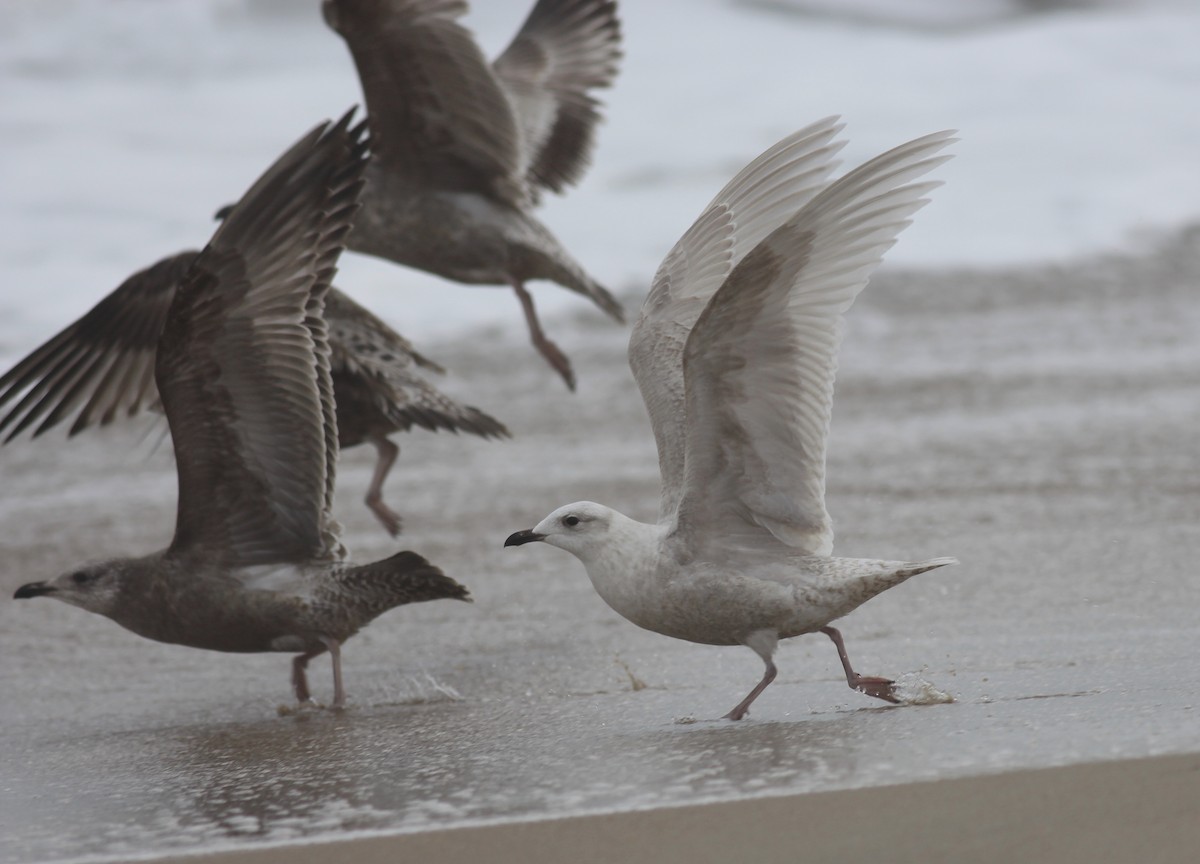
[570, 521]
[79, 577]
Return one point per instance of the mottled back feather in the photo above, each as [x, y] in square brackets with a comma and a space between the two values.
[378, 381]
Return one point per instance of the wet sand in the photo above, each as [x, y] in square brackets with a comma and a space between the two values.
[1137, 810]
[1038, 424]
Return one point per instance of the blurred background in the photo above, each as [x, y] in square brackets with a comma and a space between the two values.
[126, 123]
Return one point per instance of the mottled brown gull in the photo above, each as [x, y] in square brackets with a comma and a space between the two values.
[242, 368]
[102, 366]
[462, 148]
[735, 353]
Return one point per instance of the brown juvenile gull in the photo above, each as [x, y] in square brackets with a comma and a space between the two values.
[242, 368]
[734, 353]
[460, 149]
[104, 362]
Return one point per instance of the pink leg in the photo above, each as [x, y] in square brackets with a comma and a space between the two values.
[387, 457]
[556, 358]
[762, 643]
[300, 679]
[880, 688]
[742, 707]
[335, 654]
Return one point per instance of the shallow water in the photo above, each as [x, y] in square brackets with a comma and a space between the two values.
[1037, 424]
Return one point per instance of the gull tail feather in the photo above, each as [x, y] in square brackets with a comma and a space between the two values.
[923, 566]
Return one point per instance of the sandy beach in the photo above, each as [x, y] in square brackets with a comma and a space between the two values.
[1137, 810]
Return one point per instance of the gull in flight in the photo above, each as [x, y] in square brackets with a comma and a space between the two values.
[242, 368]
[462, 149]
[734, 353]
[104, 362]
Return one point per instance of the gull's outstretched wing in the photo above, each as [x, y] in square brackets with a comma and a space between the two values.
[759, 364]
[104, 361]
[243, 362]
[755, 202]
[565, 49]
[438, 114]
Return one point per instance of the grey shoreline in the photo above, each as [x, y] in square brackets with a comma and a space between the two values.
[1038, 423]
[1130, 810]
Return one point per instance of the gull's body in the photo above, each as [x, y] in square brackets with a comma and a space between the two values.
[102, 366]
[461, 149]
[735, 354]
[242, 369]
[644, 573]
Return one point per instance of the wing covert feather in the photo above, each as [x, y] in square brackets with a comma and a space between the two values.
[436, 109]
[757, 200]
[759, 364]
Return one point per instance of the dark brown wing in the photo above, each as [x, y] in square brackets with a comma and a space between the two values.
[565, 49]
[438, 115]
[243, 363]
[104, 361]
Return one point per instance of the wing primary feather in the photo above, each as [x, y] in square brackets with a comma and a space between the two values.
[759, 363]
[243, 362]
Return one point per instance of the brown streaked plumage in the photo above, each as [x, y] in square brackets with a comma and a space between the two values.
[242, 368]
[102, 367]
[379, 391]
[461, 149]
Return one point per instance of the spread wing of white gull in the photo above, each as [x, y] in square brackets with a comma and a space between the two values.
[242, 368]
[102, 366]
[462, 148]
[735, 353]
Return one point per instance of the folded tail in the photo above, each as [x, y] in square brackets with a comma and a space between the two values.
[406, 577]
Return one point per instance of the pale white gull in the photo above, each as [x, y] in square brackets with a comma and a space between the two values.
[242, 367]
[735, 353]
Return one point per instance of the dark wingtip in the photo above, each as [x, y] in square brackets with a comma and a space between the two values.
[520, 538]
[33, 589]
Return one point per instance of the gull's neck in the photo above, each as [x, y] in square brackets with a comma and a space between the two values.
[623, 566]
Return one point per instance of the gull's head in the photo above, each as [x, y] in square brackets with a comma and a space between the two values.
[94, 587]
[582, 528]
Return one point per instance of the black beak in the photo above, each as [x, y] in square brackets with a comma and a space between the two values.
[33, 589]
[223, 213]
[523, 537]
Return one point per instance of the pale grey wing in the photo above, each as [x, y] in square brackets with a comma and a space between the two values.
[102, 365]
[243, 363]
[563, 51]
[756, 201]
[379, 380]
[438, 115]
[759, 364]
